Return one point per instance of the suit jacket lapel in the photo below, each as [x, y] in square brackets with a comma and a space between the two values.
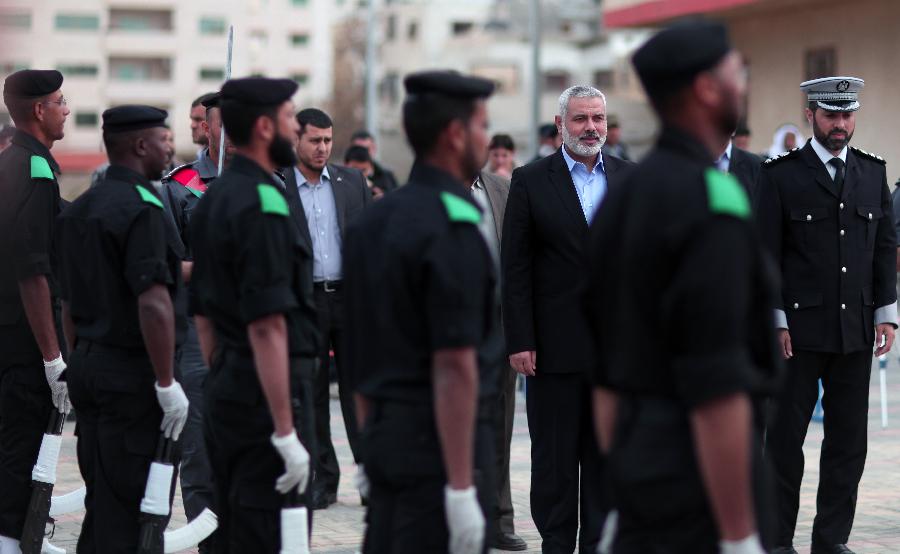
[338, 187]
[565, 187]
[296, 205]
[497, 198]
[822, 177]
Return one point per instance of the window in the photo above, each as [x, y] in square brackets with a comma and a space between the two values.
[462, 27]
[77, 22]
[820, 62]
[412, 30]
[15, 20]
[300, 78]
[390, 89]
[140, 69]
[556, 81]
[300, 3]
[77, 70]
[299, 40]
[212, 26]
[86, 119]
[212, 74]
[140, 20]
[390, 30]
[604, 79]
[504, 76]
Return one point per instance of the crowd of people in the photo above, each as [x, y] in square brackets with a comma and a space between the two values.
[651, 308]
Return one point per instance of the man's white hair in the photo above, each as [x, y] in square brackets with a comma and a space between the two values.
[578, 91]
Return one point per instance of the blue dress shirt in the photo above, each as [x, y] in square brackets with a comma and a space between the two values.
[321, 217]
[590, 187]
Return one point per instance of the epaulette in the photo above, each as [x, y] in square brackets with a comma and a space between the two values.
[868, 155]
[188, 177]
[271, 200]
[148, 197]
[40, 168]
[460, 210]
[726, 195]
[793, 153]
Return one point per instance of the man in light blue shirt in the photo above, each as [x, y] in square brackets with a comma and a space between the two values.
[589, 184]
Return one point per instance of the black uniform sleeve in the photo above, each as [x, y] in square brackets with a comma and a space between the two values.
[768, 211]
[456, 274]
[706, 309]
[516, 266]
[885, 270]
[33, 228]
[145, 251]
[264, 265]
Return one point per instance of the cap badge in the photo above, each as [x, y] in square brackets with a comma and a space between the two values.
[843, 86]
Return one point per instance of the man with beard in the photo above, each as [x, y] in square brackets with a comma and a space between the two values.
[324, 199]
[678, 300]
[825, 213]
[251, 293]
[551, 204]
[420, 295]
[31, 360]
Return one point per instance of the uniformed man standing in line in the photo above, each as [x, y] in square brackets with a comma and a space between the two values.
[824, 211]
[419, 298]
[119, 274]
[679, 277]
[251, 293]
[30, 358]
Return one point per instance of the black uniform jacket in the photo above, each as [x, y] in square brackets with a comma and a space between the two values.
[249, 260]
[746, 167]
[836, 250]
[418, 278]
[543, 266]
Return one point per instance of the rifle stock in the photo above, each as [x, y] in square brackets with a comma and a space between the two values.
[43, 477]
[155, 505]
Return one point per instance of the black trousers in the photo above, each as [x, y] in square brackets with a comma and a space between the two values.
[406, 473]
[245, 465]
[506, 414]
[118, 431]
[330, 312]
[845, 378]
[196, 473]
[566, 467]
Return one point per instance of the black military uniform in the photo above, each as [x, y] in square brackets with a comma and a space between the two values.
[30, 205]
[113, 243]
[677, 297]
[834, 239]
[249, 262]
[418, 278]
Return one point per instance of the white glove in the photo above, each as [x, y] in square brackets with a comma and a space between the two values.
[464, 520]
[361, 480]
[59, 391]
[296, 463]
[749, 545]
[174, 405]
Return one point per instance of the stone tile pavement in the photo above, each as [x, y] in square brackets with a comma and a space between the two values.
[339, 529]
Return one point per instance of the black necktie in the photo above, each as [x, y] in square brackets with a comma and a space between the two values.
[838, 165]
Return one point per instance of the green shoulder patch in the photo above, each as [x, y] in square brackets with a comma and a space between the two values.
[726, 195]
[148, 197]
[40, 168]
[460, 210]
[271, 200]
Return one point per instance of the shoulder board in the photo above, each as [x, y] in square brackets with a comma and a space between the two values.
[40, 168]
[171, 175]
[868, 155]
[148, 196]
[188, 177]
[726, 195]
[271, 200]
[783, 156]
[460, 210]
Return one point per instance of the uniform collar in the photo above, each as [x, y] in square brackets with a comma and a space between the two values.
[126, 175]
[423, 173]
[680, 141]
[27, 141]
[571, 162]
[245, 166]
[205, 166]
[824, 154]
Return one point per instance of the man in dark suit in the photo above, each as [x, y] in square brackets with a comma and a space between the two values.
[742, 164]
[824, 211]
[324, 199]
[490, 191]
[551, 204]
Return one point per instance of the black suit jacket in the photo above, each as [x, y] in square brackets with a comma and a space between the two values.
[746, 167]
[351, 196]
[542, 257]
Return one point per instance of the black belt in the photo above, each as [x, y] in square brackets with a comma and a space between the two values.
[328, 286]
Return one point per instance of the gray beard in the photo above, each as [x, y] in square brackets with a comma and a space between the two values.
[581, 149]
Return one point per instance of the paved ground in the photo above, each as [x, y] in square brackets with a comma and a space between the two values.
[339, 529]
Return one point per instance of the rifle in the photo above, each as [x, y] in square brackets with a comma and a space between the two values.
[155, 504]
[43, 477]
[295, 514]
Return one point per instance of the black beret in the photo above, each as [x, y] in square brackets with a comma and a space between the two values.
[32, 83]
[677, 54]
[548, 131]
[211, 100]
[448, 83]
[258, 91]
[133, 118]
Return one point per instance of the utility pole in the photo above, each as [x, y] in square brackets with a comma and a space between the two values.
[371, 73]
[534, 28]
